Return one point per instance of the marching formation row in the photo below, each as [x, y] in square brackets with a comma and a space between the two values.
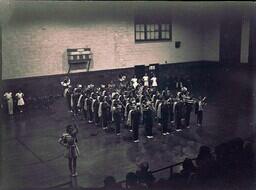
[133, 103]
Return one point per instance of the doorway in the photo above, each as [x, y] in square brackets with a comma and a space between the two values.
[230, 40]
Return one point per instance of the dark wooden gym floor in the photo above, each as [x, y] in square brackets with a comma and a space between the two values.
[32, 157]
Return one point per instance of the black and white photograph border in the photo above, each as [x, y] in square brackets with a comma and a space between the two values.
[127, 94]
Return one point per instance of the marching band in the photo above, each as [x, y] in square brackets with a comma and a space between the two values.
[133, 103]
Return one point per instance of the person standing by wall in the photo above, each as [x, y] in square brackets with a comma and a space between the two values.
[19, 95]
[154, 82]
[9, 99]
[145, 80]
[134, 82]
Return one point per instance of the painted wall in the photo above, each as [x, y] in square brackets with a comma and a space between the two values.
[245, 39]
[37, 35]
[211, 39]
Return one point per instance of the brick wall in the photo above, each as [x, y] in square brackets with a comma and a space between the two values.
[37, 36]
[245, 39]
[37, 33]
[211, 39]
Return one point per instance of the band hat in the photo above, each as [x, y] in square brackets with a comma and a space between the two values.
[184, 88]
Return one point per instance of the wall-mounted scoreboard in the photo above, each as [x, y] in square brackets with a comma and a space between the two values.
[79, 56]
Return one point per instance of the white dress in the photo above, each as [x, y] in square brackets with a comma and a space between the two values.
[20, 96]
[8, 96]
[134, 82]
[72, 150]
[154, 83]
[145, 79]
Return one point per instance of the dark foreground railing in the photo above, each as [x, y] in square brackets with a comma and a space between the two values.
[162, 169]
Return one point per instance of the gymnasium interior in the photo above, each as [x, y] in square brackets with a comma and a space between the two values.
[210, 44]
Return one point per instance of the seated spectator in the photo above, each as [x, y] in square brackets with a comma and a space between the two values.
[186, 176]
[229, 156]
[144, 175]
[248, 157]
[132, 182]
[205, 163]
[234, 149]
[188, 168]
[110, 183]
[161, 184]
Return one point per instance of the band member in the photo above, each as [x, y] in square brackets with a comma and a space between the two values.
[65, 83]
[156, 100]
[134, 82]
[153, 98]
[178, 114]
[127, 109]
[122, 81]
[9, 99]
[104, 109]
[80, 99]
[100, 110]
[75, 97]
[114, 101]
[164, 94]
[111, 85]
[129, 122]
[171, 110]
[189, 107]
[69, 140]
[19, 95]
[85, 106]
[165, 117]
[109, 102]
[145, 80]
[154, 81]
[158, 109]
[184, 92]
[183, 114]
[122, 101]
[148, 120]
[143, 106]
[69, 97]
[95, 107]
[117, 114]
[179, 84]
[135, 123]
[199, 110]
[120, 78]
[88, 106]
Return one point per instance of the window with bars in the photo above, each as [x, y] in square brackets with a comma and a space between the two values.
[152, 31]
